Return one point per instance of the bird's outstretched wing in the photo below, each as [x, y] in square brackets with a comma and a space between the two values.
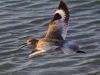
[44, 49]
[59, 24]
[70, 48]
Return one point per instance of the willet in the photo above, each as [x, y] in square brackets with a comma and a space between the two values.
[55, 36]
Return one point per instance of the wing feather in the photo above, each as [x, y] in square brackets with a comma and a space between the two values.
[42, 50]
[59, 24]
[70, 48]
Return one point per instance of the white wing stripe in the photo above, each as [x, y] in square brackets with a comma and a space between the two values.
[62, 13]
[43, 50]
[37, 53]
[61, 23]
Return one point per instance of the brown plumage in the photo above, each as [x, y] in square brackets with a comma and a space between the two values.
[56, 34]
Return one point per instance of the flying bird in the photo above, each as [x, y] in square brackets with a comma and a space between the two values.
[55, 36]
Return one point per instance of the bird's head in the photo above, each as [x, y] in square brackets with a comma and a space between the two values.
[29, 42]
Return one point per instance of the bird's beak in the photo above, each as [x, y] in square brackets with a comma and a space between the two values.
[23, 45]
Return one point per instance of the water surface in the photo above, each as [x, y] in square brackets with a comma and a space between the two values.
[22, 19]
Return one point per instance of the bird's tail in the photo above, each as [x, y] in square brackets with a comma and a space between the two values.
[81, 52]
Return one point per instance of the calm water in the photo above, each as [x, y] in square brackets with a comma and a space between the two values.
[22, 19]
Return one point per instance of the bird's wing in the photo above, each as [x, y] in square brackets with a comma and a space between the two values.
[68, 51]
[59, 24]
[42, 50]
[70, 48]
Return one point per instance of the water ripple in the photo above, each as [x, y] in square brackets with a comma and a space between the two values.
[21, 19]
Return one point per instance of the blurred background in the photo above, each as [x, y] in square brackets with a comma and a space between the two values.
[23, 19]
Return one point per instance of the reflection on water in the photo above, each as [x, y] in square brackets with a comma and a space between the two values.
[21, 19]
